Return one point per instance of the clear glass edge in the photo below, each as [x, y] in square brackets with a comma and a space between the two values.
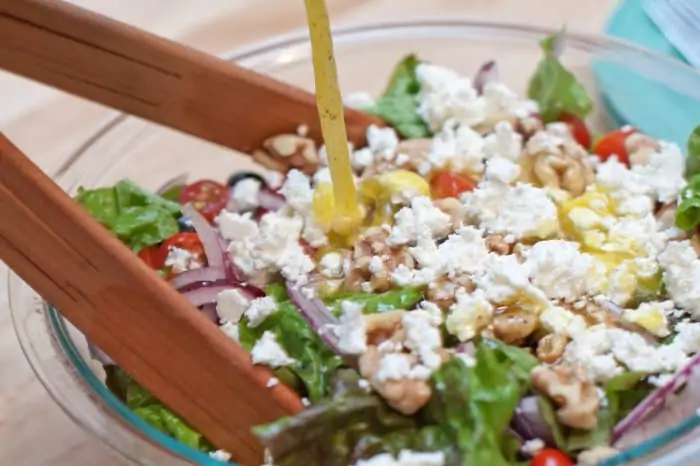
[244, 57]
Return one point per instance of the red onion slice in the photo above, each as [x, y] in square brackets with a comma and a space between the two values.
[99, 355]
[529, 423]
[192, 277]
[662, 408]
[209, 311]
[207, 294]
[486, 74]
[207, 235]
[270, 200]
[316, 314]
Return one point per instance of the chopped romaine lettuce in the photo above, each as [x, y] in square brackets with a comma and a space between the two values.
[556, 89]
[404, 298]
[692, 162]
[688, 210]
[315, 363]
[398, 106]
[137, 217]
[153, 411]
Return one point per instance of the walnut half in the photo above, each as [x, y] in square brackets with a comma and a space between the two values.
[286, 151]
[576, 398]
[564, 167]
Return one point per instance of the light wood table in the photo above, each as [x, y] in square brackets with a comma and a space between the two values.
[49, 126]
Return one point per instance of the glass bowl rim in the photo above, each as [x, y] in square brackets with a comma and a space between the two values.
[366, 30]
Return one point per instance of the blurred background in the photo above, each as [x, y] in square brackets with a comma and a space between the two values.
[49, 125]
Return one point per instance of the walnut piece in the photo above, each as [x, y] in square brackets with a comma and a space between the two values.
[576, 398]
[551, 347]
[511, 325]
[565, 167]
[454, 209]
[640, 147]
[443, 291]
[287, 151]
[495, 243]
[364, 268]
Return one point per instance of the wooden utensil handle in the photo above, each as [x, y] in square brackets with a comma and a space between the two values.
[132, 314]
[109, 62]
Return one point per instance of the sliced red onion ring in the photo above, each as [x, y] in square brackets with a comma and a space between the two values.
[270, 200]
[662, 409]
[207, 235]
[194, 276]
[209, 311]
[486, 74]
[99, 355]
[233, 274]
[207, 294]
[316, 314]
[529, 423]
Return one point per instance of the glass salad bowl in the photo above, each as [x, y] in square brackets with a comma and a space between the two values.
[629, 85]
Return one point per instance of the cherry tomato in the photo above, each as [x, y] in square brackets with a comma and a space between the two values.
[308, 249]
[447, 184]
[578, 129]
[551, 457]
[153, 256]
[207, 196]
[188, 241]
[613, 143]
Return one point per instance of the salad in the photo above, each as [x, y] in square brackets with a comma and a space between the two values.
[522, 291]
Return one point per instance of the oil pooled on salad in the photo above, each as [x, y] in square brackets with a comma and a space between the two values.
[521, 292]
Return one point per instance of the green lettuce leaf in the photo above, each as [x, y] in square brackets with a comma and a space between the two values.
[137, 217]
[688, 210]
[153, 411]
[404, 298]
[555, 88]
[474, 405]
[315, 363]
[692, 162]
[398, 106]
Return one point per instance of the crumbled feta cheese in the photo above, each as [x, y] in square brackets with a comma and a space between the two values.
[423, 339]
[430, 311]
[651, 316]
[303, 130]
[230, 329]
[444, 95]
[236, 227]
[382, 141]
[246, 194]
[376, 266]
[559, 129]
[595, 455]
[421, 219]
[181, 260]
[556, 319]
[351, 330]
[457, 149]
[449, 256]
[362, 158]
[399, 366]
[273, 382]
[274, 248]
[506, 279]
[305, 402]
[542, 141]
[359, 100]
[323, 175]
[533, 446]
[521, 211]
[681, 274]
[273, 179]
[403, 276]
[504, 142]
[297, 191]
[331, 265]
[406, 458]
[470, 314]
[220, 455]
[502, 103]
[268, 352]
[259, 310]
[663, 172]
[231, 304]
[561, 270]
[364, 385]
[383, 459]
[501, 170]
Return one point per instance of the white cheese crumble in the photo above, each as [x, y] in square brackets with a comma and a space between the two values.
[561, 270]
[351, 330]
[361, 158]
[382, 141]
[268, 352]
[430, 311]
[403, 276]
[323, 175]
[297, 191]
[406, 458]
[470, 314]
[273, 382]
[236, 227]
[533, 446]
[457, 150]
[502, 103]
[501, 170]
[220, 455]
[681, 274]
[230, 305]
[246, 194]
[445, 95]
[230, 329]
[556, 319]
[521, 211]
[506, 279]
[504, 142]
[331, 265]
[359, 100]
[259, 310]
[423, 339]
[180, 260]
[464, 251]
[422, 218]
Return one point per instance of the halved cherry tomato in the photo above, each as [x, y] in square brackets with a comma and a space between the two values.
[153, 256]
[308, 249]
[551, 457]
[448, 184]
[578, 129]
[187, 240]
[207, 196]
[613, 143]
